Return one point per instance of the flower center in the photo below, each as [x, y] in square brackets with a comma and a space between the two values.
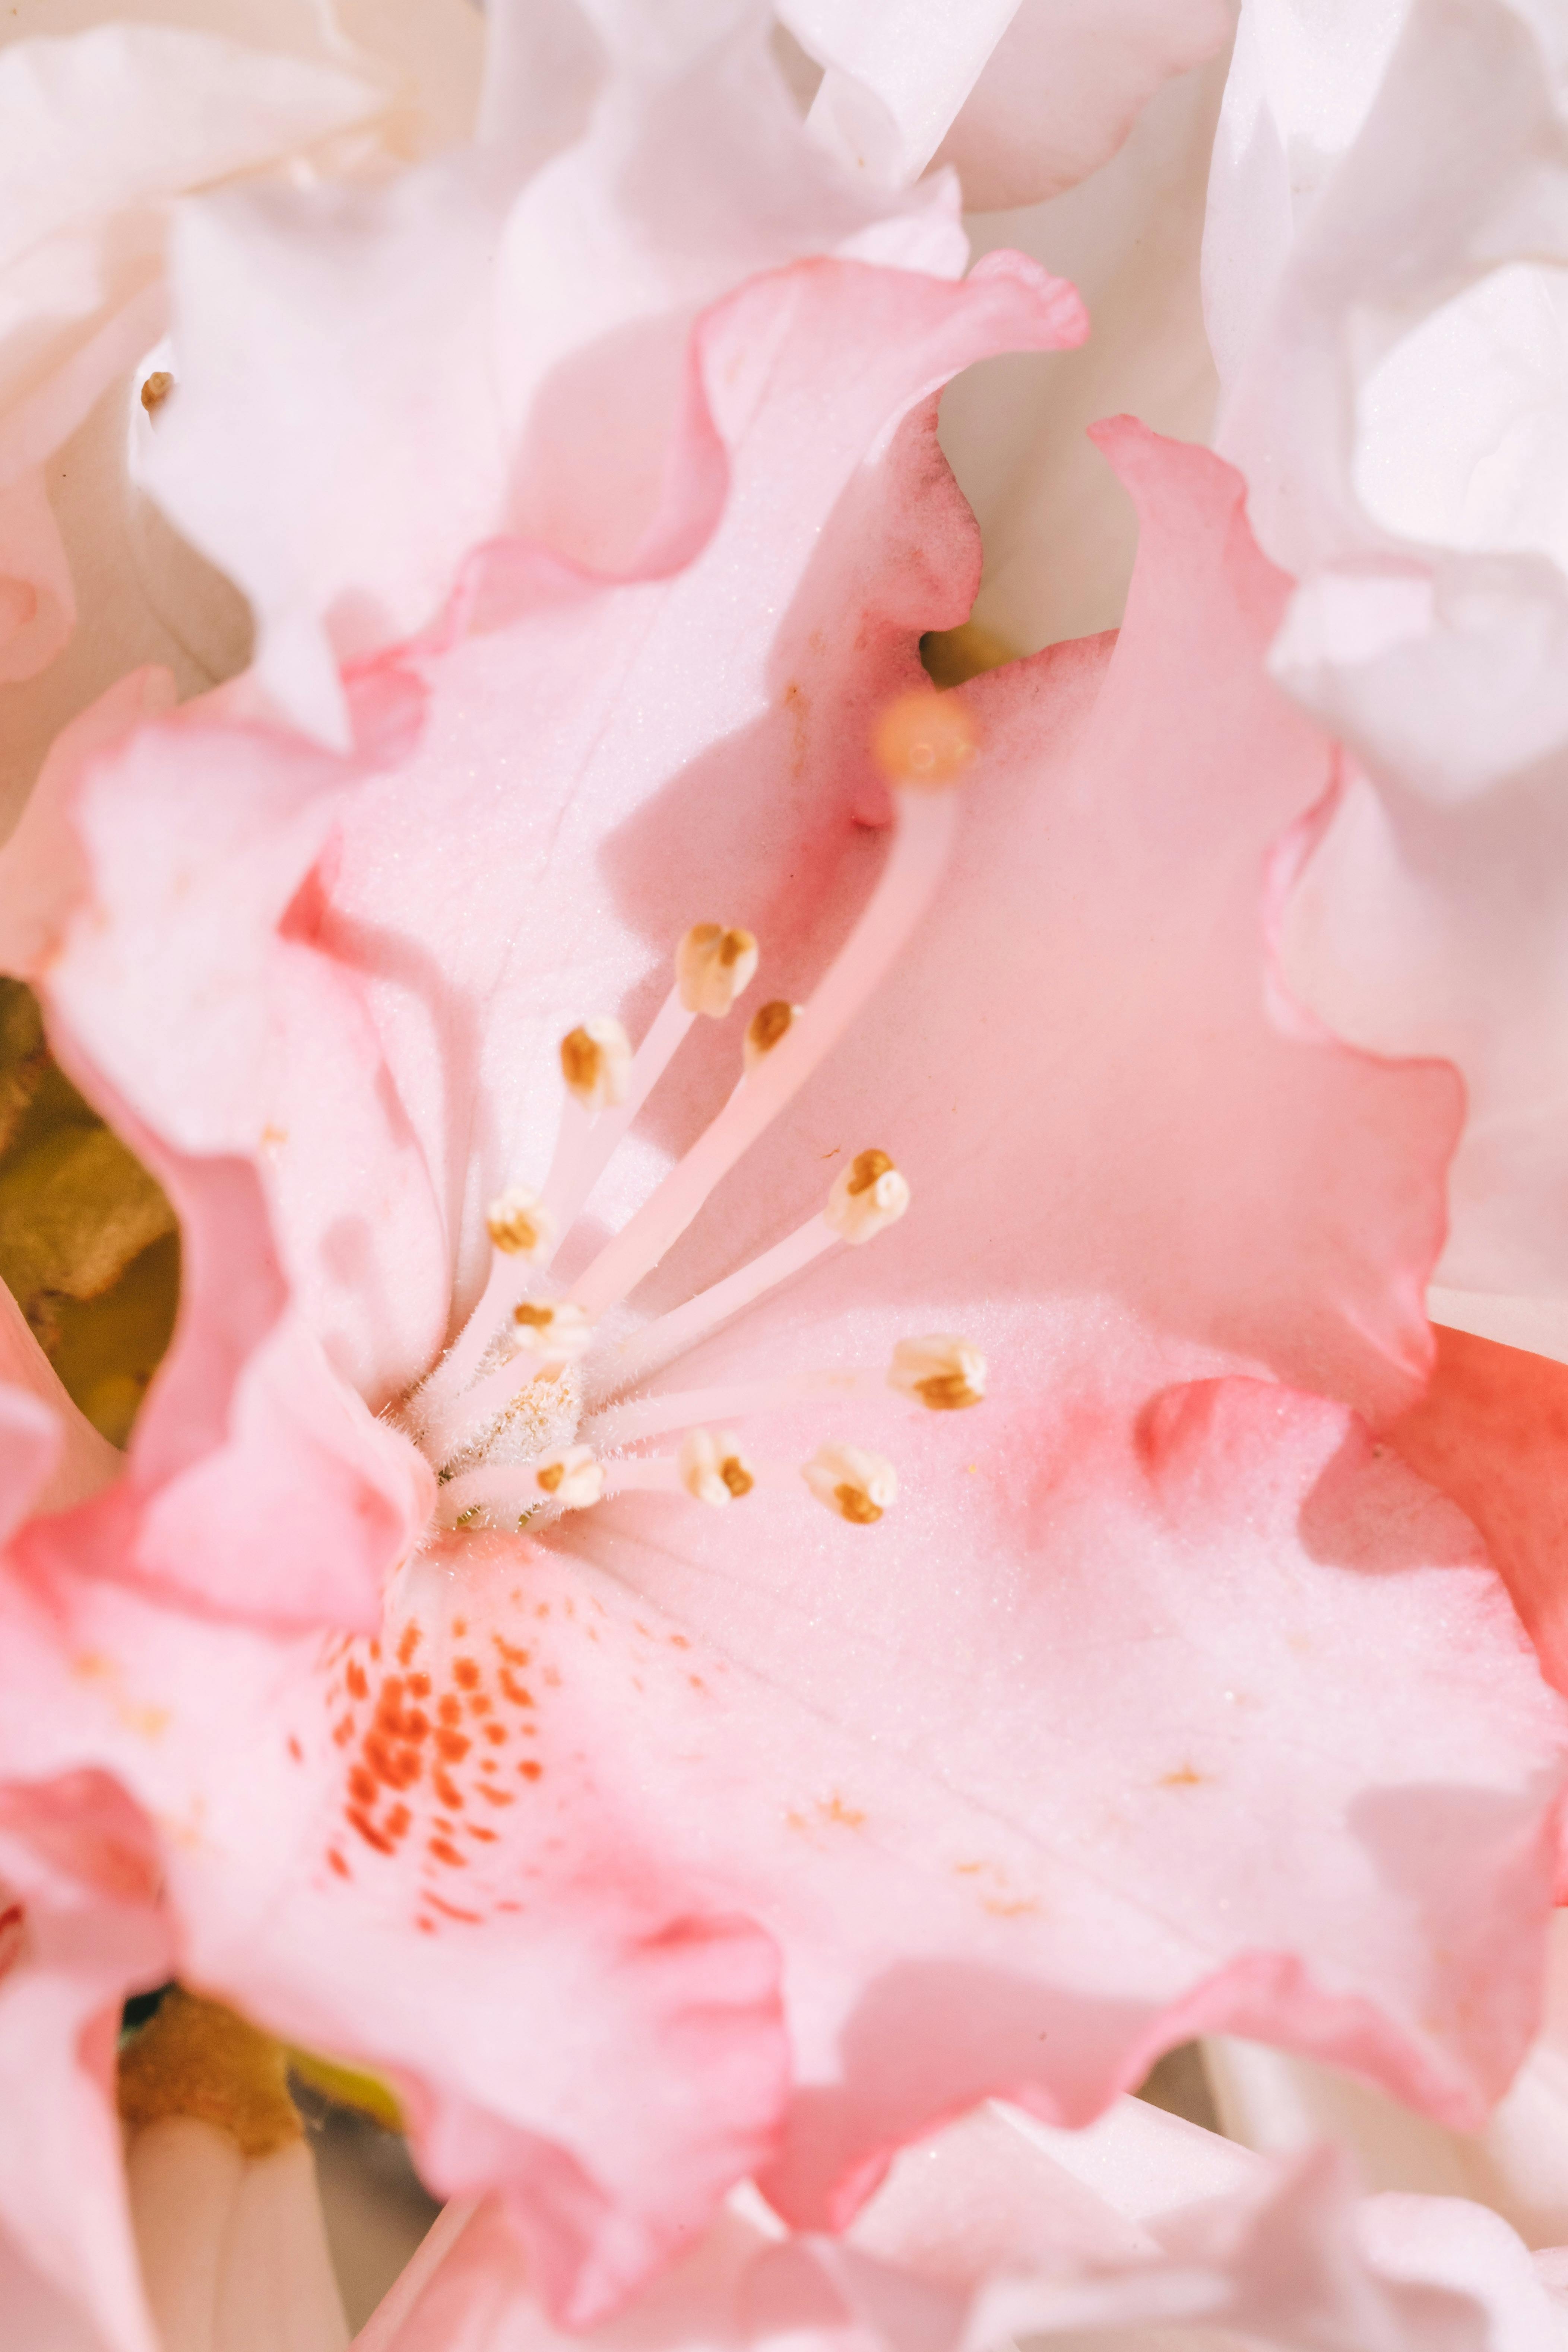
[501, 1418]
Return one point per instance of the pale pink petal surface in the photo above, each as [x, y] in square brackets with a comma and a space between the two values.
[1384, 269]
[562, 2025]
[502, 335]
[81, 1865]
[1024, 96]
[102, 125]
[1155, 2233]
[1059, 532]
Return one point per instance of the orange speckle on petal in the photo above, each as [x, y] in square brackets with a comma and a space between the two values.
[452, 1910]
[530, 1770]
[408, 1644]
[445, 1851]
[367, 1830]
[466, 1673]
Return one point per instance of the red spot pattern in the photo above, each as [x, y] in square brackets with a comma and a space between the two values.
[411, 1769]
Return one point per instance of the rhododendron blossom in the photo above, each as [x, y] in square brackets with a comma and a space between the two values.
[802, 1479]
[603, 1768]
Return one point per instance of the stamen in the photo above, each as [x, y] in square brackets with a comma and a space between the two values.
[551, 1335]
[712, 967]
[155, 391]
[573, 1478]
[923, 837]
[595, 1062]
[765, 1028]
[573, 1181]
[944, 1372]
[930, 1373]
[869, 1196]
[519, 1224]
[857, 1485]
[712, 1468]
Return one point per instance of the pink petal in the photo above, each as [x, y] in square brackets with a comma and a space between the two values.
[1407, 474]
[1063, 88]
[1024, 98]
[1127, 1147]
[1010, 1782]
[50, 1453]
[357, 1865]
[505, 345]
[341, 995]
[81, 1860]
[1283, 2257]
[1491, 1431]
[1017, 438]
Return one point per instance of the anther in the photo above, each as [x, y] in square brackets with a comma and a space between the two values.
[765, 1028]
[866, 1197]
[925, 740]
[559, 1333]
[712, 967]
[857, 1485]
[519, 1223]
[155, 391]
[712, 1467]
[944, 1372]
[595, 1060]
[572, 1478]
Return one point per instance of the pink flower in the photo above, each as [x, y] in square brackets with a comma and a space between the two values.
[1012, 1779]
[1383, 267]
[102, 127]
[1144, 2229]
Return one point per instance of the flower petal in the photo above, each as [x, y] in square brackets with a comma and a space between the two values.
[80, 1862]
[509, 358]
[1384, 263]
[359, 1866]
